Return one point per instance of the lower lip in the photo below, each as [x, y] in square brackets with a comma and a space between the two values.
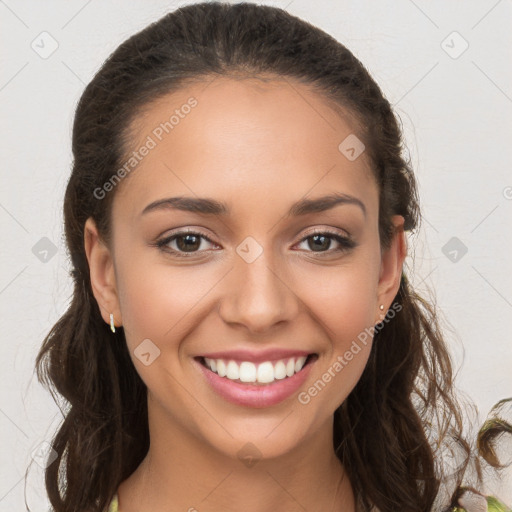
[251, 395]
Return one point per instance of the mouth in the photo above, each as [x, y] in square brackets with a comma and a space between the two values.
[252, 374]
[256, 385]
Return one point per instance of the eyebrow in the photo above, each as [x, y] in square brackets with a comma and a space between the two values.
[213, 207]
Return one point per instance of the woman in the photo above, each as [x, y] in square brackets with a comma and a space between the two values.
[242, 334]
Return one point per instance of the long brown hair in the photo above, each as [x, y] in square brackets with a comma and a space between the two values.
[387, 431]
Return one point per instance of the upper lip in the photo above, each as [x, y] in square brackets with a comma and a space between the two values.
[258, 356]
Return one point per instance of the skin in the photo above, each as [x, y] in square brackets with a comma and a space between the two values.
[259, 147]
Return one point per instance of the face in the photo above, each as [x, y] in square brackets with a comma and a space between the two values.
[260, 275]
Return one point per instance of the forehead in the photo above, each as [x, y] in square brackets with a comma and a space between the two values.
[240, 139]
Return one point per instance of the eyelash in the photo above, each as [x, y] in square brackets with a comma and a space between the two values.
[346, 243]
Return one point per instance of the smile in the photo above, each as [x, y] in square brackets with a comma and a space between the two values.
[262, 373]
[252, 384]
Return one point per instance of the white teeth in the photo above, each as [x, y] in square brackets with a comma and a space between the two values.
[300, 363]
[247, 372]
[290, 368]
[263, 373]
[221, 366]
[232, 371]
[279, 370]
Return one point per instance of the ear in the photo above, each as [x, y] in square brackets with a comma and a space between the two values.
[392, 260]
[101, 267]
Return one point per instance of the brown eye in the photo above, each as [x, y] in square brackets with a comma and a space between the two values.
[321, 242]
[188, 242]
[185, 242]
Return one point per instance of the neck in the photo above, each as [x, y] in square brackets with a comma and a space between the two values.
[185, 472]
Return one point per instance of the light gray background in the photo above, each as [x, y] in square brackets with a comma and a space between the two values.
[456, 110]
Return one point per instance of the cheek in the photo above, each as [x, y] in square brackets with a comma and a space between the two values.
[343, 302]
[343, 299]
[159, 302]
[161, 305]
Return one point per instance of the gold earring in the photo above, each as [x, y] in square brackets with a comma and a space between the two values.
[112, 326]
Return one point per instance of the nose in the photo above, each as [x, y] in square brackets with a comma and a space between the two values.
[258, 295]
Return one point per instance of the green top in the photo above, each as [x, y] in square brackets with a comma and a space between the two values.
[114, 505]
[493, 505]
